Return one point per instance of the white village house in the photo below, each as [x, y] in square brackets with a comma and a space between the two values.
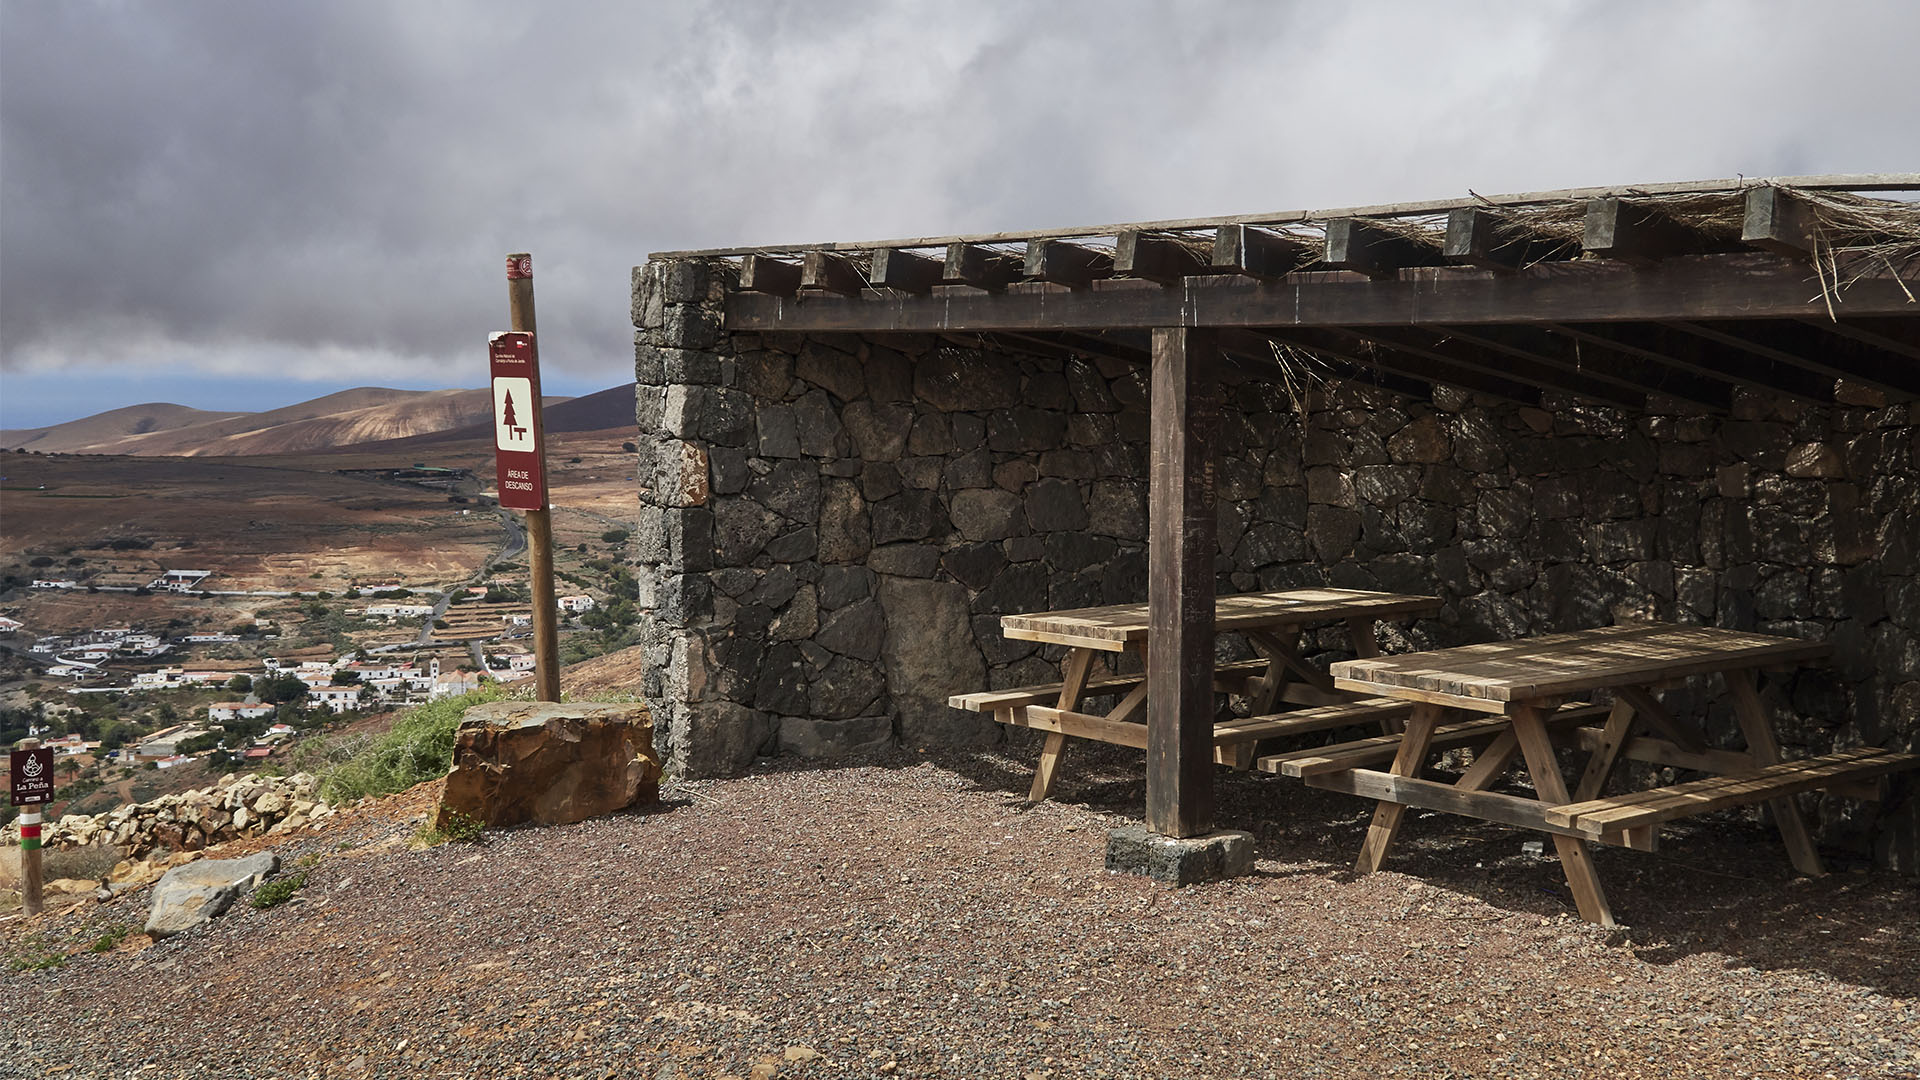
[238, 710]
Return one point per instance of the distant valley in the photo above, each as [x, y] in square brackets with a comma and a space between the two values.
[348, 418]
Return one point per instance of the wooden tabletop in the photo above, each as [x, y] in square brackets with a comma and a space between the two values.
[1487, 677]
[1116, 626]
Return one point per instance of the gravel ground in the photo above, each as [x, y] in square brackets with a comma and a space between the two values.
[910, 917]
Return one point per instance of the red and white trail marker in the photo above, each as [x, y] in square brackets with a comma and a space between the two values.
[519, 463]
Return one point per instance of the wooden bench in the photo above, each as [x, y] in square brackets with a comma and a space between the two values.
[1021, 708]
[1641, 809]
[1380, 749]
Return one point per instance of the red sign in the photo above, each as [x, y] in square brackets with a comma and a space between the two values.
[519, 266]
[519, 462]
[32, 776]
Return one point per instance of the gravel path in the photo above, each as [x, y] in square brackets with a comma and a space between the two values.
[910, 917]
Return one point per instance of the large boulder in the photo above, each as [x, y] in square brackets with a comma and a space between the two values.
[202, 891]
[516, 762]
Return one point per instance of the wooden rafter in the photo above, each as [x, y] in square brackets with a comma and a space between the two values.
[1156, 258]
[1596, 361]
[1063, 263]
[831, 272]
[1703, 356]
[907, 271]
[1635, 232]
[1477, 237]
[1803, 345]
[766, 274]
[1365, 247]
[1258, 253]
[1776, 221]
[979, 267]
[1499, 364]
[1358, 350]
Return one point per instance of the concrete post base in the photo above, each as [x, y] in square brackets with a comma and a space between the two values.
[1222, 854]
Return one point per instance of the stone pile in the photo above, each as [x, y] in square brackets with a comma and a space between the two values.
[237, 806]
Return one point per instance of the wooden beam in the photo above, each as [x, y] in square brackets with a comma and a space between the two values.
[1900, 336]
[1828, 182]
[1183, 417]
[980, 267]
[1747, 285]
[908, 271]
[1438, 345]
[1258, 253]
[1155, 258]
[1061, 263]
[1475, 238]
[1357, 350]
[1258, 351]
[1801, 345]
[1634, 232]
[831, 272]
[1073, 344]
[1692, 353]
[1598, 362]
[1362, 246]
[1777, 221]
[765, 274]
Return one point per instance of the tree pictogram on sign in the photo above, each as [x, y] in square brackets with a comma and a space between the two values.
[506, 417]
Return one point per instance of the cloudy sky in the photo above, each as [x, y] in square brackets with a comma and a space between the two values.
[236, 205]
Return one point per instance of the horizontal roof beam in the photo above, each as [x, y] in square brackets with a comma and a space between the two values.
[1909, 181]
[1745, 284]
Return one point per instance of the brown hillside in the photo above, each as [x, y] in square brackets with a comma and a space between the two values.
[111, 426]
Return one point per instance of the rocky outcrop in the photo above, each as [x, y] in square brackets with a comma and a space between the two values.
[517, 762]
[202, 891]
[250, 805]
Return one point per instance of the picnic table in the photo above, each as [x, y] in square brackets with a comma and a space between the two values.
[1271, 621]
[1520, 694]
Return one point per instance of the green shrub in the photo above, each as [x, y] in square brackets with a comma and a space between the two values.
[278, 891]
[460, 829]
[110, 938]
[418, 748]
[37, 953]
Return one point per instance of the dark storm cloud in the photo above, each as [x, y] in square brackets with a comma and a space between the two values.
[327, 189]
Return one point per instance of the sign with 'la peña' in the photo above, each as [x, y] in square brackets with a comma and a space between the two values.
[32, 776]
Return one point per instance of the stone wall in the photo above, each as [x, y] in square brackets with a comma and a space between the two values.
[831, 525]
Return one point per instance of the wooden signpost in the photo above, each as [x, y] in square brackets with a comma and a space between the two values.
[520, 463]
[32, 784]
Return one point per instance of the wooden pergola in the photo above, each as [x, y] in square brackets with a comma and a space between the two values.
[1623, 296]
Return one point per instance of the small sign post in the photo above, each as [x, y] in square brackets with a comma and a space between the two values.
[520, 464]
[32, 784]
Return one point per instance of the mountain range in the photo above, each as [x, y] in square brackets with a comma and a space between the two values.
[348, 418]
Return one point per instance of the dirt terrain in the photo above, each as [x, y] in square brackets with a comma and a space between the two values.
[910, 917]
[308, 522]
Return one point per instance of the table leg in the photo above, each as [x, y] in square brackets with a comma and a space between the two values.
[1659, 719]
[1530, 729]
[1760, 743]
[1407, 762]
[1360, 631]
[1605, 756]
[1073, 682]
[1274, 681]
[1489, 764]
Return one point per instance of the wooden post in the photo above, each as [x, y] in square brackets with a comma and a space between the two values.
[1184, 414]
[31, 871]
[546, 637]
